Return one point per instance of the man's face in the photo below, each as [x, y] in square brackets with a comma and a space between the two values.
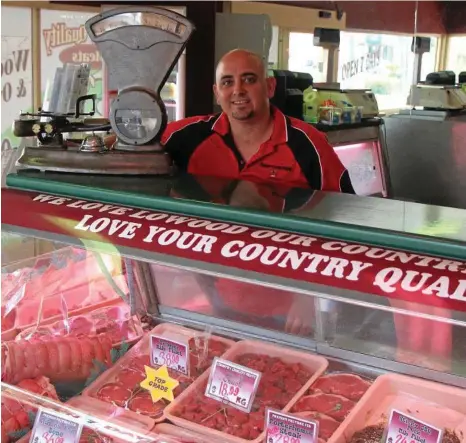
[241, 88]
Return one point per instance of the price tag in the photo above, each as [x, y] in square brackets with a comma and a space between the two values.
[405, 429]
[159, 383]
[169, 353]
[232, 384]
[54, 428]
[287, 428]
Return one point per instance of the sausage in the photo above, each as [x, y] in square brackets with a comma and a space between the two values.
[25, 359]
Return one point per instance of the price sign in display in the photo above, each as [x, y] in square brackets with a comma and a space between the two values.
[232, 384]
[405, 429]
[286, 428]
[169, 353]
[54, 428]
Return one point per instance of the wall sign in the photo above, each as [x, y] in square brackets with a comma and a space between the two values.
[64, 40]
[398, 275]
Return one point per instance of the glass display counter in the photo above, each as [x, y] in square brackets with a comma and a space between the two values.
[340, 308]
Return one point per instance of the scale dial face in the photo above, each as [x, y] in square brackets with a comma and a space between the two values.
[150, 19]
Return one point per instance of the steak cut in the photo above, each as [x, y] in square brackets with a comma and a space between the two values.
[114, 393]
[334, 406]
[327, 425]
[348, 385]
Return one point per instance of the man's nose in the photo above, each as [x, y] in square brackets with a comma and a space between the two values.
[239, 87]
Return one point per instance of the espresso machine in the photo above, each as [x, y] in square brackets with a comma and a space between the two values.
[140, 46]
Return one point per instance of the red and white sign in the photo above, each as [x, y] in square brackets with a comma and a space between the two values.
[398, 275]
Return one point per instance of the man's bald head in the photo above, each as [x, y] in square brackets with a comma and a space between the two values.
[241, 85]
[241, 55]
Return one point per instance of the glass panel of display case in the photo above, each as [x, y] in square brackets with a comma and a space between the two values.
[224, 298]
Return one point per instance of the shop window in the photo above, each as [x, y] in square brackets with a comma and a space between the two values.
[456, 57]
[64, 40]
[273, 53]
[383, 63]
[16, 75]
[305, 57]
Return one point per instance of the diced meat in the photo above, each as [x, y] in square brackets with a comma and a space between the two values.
[114, 393]
[350, 386]
[129, 378]
[335, 406]
[142, 403]
[327, 425]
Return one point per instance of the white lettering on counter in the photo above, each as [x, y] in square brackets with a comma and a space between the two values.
[389, 279]
[110, 209]
[181, 239]
[114, 226]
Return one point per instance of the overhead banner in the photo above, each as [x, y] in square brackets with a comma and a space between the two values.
[398, 275]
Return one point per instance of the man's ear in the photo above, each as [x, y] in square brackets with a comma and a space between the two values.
[216, 93]
[271, 85]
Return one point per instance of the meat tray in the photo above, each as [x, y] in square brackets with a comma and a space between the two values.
[75, 284]
[114, 320]
[250, 353]
[436, 404]
[124, 378]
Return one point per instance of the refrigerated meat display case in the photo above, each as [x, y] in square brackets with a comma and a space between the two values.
[343, 308]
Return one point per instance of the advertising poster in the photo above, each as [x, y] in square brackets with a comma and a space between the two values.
[64, 40]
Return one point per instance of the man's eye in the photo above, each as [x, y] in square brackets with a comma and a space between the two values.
[226, 83]
[250, 79]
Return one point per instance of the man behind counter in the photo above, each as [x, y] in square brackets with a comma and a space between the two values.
[251, 139]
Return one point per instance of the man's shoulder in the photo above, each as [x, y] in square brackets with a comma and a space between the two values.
[199, 122]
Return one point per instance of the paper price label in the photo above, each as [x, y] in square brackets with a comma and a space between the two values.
[287, 428]
[54, 428]
[170, 353]
[405, 429]
[232, 384]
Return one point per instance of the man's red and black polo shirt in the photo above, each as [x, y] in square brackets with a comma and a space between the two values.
[296, 155]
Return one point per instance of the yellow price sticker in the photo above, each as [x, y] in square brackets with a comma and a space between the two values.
[159, 383]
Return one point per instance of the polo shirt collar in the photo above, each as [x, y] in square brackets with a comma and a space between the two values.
[221, 126]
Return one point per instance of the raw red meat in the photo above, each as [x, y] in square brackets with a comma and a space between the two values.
[142, 403]
[348, 385]
[327, 425]
[15, 414]
[202, 353]
[90, 436]
[130, 379]
[280, 381]
[335, 406]
[114, 393]
[58, 358]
